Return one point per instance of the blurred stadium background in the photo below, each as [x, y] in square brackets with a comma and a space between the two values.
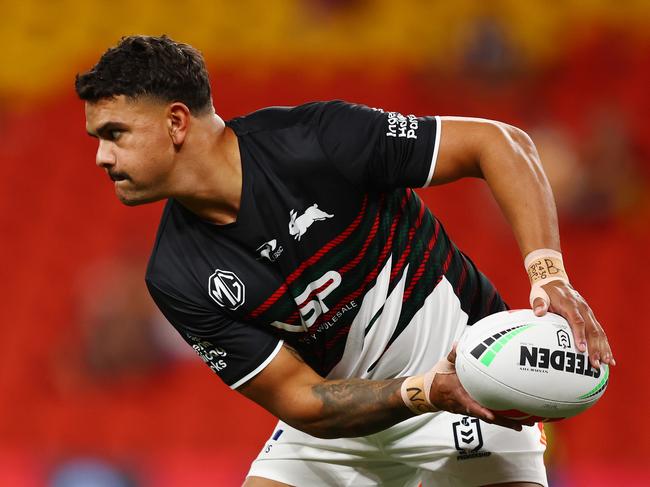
[94, 391]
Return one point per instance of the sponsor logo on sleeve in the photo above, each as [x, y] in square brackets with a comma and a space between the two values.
[400, 126]
[298, 224]
[226, 289]
[213, 356]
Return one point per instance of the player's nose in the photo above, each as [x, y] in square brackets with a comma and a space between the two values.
[104, 157]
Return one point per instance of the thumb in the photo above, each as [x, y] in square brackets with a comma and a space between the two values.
[540, 306]
[452, 355]
[539, 300]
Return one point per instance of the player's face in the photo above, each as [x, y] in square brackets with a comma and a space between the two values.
[135, 148]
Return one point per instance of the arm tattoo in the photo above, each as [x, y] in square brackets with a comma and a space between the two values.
[358, 407]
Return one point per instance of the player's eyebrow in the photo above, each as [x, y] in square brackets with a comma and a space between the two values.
[105, 128]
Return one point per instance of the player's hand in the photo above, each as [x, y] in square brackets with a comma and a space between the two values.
[447, 393]
[587, 332]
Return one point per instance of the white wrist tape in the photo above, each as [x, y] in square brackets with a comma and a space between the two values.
[544, 266]
[416, 389]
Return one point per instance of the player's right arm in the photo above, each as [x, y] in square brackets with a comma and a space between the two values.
[254, 362]
[289, 389]
[257, 364]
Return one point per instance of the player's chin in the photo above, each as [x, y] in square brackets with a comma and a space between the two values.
[132, 198]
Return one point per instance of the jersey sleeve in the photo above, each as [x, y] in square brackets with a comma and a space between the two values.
[377, 149]
[235, 351]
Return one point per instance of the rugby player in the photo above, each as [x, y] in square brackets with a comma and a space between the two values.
[295, 258]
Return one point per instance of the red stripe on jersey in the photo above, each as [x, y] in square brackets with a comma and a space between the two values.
[420, 271]
[407, 250]
[343, 332]
[373, 274]
[351, 264]
[364, 248]
[326, 248]
[397, 268]
[272, 299]
[315, 291]
[462, 278]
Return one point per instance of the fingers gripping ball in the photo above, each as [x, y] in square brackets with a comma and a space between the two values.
[524, 366]
[416, 389]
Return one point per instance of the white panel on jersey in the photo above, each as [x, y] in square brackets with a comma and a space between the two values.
[427, 338]
[353, 362]
[384, 327]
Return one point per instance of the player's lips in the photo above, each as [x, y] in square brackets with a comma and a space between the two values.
[118, 177]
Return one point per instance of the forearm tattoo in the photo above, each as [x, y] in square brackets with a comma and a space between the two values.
[358, 407]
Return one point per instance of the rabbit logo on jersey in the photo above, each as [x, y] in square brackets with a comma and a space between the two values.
[298, 224]
[226, 289]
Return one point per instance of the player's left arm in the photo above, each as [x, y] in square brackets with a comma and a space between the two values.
[507, 159]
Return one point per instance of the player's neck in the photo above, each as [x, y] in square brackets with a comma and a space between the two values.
[209, 183]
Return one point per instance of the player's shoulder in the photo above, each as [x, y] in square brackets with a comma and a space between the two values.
[280, 117]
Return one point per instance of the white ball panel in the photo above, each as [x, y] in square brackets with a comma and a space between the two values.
[516, 360]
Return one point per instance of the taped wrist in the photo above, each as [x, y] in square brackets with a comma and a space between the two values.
[544, 266]
[416, 389]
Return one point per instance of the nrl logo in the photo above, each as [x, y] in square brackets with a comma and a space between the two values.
[468, 439]
[299, 224]
[563, 339]
[226, 289]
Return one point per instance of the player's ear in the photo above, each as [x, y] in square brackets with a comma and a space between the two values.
[178, 121]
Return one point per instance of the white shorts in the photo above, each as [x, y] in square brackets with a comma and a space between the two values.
[440, 450]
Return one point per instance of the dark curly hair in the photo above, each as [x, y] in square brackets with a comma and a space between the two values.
[158, 67]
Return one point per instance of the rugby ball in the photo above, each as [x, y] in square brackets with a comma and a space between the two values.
[527, 367]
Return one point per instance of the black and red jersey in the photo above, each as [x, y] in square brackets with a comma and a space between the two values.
[331, 252]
